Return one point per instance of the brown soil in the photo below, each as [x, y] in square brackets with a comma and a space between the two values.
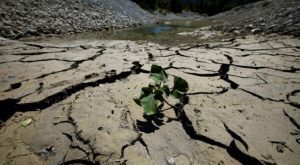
[244, 102]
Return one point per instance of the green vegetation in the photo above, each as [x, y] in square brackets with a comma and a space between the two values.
[154, 96]
[209, 7]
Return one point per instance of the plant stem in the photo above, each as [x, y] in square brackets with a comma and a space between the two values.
[165, 109]
[169, 103]
[180, 110]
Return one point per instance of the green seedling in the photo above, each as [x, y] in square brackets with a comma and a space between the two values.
[154, 96]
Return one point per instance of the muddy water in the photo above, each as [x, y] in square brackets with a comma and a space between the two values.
[165, 33]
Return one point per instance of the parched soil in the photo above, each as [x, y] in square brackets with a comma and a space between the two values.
[243, 102]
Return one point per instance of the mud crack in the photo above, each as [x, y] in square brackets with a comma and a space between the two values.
[270, 99]
[132, 142]
[292, 120]
[232, 149]
[222, 72]
[12, 105]
[138, 138]
[39, 53]
[77, 141]
[291, 70]
[236, 136]
[75, 64]
[177, 53]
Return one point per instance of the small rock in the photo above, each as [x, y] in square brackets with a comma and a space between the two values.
[47, 152]
[32, 32]
[267, 156]
[237, 32]
[250, 26]
[18, 36]
[272, 26]
[280, 148]
[261, 19]
[171, 161]
[255, 31]
[263, 24]
[233, 29]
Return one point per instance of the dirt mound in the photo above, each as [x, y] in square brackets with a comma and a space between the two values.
[20, 18]
[268, 16]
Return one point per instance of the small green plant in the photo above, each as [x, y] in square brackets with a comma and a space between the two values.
[154, 96]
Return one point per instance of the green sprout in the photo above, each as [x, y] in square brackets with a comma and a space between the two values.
[154, 96]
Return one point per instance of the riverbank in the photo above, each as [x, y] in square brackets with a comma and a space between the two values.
[169, 33]
[60, 18]
[264, 17]
[34, 18]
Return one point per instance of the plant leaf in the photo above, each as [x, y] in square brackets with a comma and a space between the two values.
[149, 104]
[151, 86]
[180, 84]
[137, 101]
[158, 74]
[166, 90]
[177, 94]
[159, 95]
[156, 68]
[146, 91]
[160, 105]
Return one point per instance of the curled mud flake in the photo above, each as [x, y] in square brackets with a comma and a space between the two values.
[47, 152]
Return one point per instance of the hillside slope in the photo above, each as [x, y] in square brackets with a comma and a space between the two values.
[269, 16]
[21, 18]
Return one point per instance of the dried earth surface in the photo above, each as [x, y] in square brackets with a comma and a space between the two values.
[243, 102]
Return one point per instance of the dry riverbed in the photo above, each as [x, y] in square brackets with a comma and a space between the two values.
[243, 108]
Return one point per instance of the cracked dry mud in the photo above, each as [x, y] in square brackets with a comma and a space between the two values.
[244, 102]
